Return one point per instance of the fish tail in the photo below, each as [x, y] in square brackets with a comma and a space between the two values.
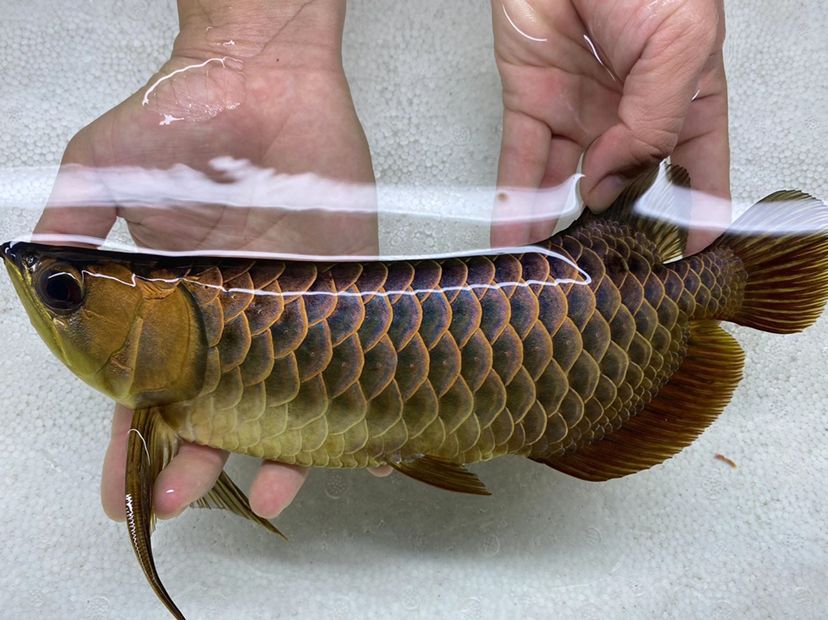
[782, 243]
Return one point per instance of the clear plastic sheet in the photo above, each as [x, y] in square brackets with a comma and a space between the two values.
[545, 544]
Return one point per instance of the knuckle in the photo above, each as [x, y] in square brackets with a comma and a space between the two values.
[652, 145]
[523, 158]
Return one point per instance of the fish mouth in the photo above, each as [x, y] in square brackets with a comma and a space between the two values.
[15, 259]
[20, 258]
[12, 257]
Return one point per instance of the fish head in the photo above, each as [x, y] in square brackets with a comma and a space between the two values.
[124, 327]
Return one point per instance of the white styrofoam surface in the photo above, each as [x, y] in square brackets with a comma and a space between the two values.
[691, 538]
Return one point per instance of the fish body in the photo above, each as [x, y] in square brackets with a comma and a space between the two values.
[596, 352]
[463, 359]
[538, 353]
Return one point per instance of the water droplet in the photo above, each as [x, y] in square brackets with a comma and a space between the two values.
[410, 600]
[338, 484]
[590, 611]
[723, 609]
[473, 608]
[803, 596]
[593, 536]
[100, 607]
[490, 545]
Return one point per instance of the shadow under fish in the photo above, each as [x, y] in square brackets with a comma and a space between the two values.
[597, 352]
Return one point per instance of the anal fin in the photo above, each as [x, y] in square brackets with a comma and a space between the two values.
[443, 474]
[692, 399]
[226, 495]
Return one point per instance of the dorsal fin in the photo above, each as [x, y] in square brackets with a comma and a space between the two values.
[695, 395]
[442, 473]
[653, 204]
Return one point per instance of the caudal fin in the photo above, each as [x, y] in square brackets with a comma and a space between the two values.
[782, 242]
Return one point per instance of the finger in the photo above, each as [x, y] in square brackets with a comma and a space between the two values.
[555, 185]
[524, 154]
[657, 95]
[113, 487]
[704, 150]
[381, 472]
[274, 488]
[188, 477]
[79, 204]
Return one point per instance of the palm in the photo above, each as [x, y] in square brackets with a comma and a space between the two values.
[561, 101]
[287, 121]
[557, 79]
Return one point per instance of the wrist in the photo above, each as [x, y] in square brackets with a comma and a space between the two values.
[296, 32]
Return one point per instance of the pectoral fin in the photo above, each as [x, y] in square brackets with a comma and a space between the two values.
[226, 495]
[443, 474]
[149, 447]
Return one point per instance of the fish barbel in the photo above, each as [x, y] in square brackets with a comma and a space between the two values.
[595, 352]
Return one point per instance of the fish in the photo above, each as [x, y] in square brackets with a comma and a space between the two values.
[598, 352]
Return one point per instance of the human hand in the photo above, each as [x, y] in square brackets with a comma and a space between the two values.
[255, 81]
[659, 90]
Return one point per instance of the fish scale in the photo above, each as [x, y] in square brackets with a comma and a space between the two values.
[505, 355]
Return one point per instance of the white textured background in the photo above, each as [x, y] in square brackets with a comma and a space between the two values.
[692, 538]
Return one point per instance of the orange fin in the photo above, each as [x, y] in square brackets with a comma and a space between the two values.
[782, 242]
[225, 494]
[693, 398]
[441, 473]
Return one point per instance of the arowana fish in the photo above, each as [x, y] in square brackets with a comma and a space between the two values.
[590, 352]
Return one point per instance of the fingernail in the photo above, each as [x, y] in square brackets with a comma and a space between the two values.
[266, 512]
[163, 507]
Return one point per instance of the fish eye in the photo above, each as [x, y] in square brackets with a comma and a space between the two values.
[59, 287]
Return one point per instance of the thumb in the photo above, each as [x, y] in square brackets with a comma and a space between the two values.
[656, 98]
